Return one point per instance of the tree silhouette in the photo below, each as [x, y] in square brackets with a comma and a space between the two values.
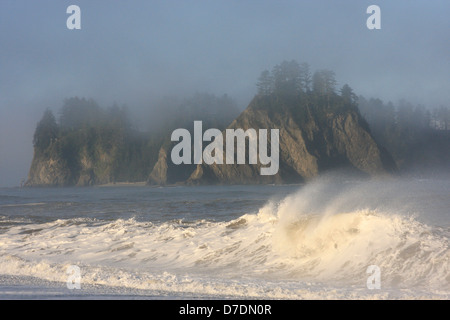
[265, 83]
[348, 95]
[324, 83]
[46, 131]
[305, 77]
[286, 77]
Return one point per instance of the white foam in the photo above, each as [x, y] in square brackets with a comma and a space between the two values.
[296, 248]
[32, 204]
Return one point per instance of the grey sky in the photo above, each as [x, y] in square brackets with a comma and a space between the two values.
[132, 52]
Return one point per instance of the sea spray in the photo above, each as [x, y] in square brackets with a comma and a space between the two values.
[317, 242]
[332, 232]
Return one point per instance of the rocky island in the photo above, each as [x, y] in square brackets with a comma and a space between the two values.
[320, 130]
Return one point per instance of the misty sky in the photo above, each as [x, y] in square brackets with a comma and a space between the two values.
[133, 52]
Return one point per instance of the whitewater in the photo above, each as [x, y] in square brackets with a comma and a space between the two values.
[310, 241]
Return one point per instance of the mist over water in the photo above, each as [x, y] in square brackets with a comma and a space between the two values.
[136, 53]
[314, 240]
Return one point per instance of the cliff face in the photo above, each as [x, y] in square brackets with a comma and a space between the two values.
[86, 157]
[158, 176]
[50, 169]
[90, 145]
[312, 139]
[50, 172]
[165, 172]
[315, 135]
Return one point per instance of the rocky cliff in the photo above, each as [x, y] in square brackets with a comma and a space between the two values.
[51, 169]
[165, 172]
[91, 156]
[90, 145]
[314, 137]
[316, 134]
[48, 171]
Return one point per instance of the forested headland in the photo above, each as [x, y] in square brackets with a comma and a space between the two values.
[84, 144]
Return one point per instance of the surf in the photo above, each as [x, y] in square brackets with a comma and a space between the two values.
[325, 235]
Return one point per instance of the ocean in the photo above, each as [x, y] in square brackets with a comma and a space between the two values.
[331, 238]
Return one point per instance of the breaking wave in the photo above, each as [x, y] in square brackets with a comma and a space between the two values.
[288, 249]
